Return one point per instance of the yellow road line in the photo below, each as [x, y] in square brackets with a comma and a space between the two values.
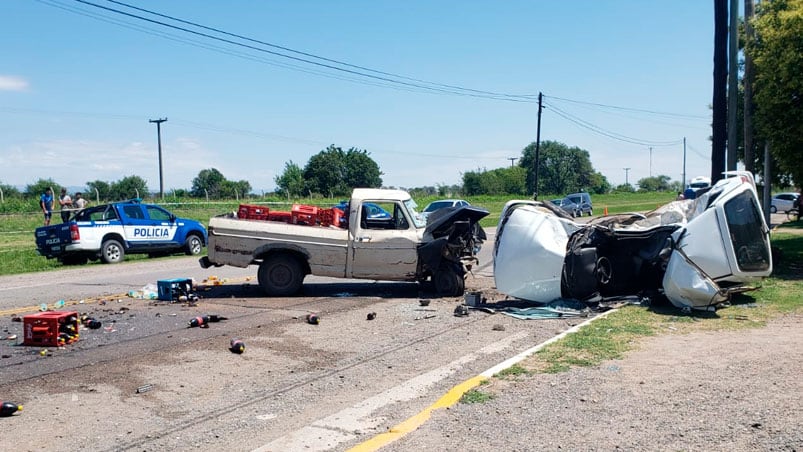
[412, 423]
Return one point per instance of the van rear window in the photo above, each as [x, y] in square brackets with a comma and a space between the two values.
[746, 233]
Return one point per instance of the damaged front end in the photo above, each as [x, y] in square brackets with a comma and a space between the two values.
[452, 239]
[694, 252]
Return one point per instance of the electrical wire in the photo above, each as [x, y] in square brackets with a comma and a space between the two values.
[419, 86]
[599, 130]
[638, 110]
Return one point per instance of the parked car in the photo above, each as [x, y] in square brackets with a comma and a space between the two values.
[783, 202]
[584, 201]
[568, 206]
[442, 204]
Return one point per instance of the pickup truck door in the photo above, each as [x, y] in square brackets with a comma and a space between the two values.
[383, 248]
[148, 226]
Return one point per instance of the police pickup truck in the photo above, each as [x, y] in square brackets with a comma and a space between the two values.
[109, 231]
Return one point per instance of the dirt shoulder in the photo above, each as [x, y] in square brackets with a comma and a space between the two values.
[732, 390]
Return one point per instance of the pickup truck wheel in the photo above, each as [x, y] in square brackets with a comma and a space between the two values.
[112, 252]
[448, 283]
[280, 275]
[193, 245]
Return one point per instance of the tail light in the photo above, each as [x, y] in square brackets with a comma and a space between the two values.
[75, 234]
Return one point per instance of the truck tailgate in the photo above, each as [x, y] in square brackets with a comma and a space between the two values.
[52, 240]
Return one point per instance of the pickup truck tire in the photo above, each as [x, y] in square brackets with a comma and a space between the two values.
[193, 245]
[280, 275]
[112, 252]
[448, 283]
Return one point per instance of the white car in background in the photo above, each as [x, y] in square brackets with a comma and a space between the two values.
[783, 202]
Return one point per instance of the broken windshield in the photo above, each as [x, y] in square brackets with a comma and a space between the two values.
[746, 232]
[417, 219]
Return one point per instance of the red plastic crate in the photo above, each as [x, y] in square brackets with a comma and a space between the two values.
[280, 216]
[252, 212]
[304, 214]
[44, 328]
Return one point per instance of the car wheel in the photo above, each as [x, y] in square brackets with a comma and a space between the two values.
[193, 245]
[112, 252]
[280, 275]
[773, 209]
[448, 283]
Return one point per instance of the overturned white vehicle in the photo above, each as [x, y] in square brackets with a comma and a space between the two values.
[696, 252]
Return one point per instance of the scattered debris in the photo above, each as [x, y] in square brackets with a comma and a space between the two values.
[371, 315]
[428, 316]
[237, 346]
[313, 319]
[9, 408]
[423, 302]
[461, 310]
[498, 327]
[144, 388]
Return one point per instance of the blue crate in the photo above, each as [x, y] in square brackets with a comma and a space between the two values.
[172, 289]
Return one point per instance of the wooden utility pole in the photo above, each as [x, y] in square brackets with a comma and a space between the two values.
[733, 92]
[719, 103]
[749, 158]
[537, 146]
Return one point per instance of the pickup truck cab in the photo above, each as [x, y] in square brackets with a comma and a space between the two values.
[109, 231]
[401, 247]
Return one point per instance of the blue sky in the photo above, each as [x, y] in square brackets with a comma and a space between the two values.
[78, 85]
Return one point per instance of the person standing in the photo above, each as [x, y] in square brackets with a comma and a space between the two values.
[46, 203]
[65, 201]
[79, 202]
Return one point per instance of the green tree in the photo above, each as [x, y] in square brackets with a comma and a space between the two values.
[333, 172]
[777, 51]
[624, 188]
[104, 190]
[361, 170]
[36, 189]
[655, 183]
[9, 191]
[209, 182]
[129, 187]
[291, 181]
[562, 169]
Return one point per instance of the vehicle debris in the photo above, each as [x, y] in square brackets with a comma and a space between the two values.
[313, 319]
[9, 408]
[144, 388]
[696, 253]
[371, 315]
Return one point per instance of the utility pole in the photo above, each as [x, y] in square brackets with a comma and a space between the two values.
[683, 182]
[650, 161]
[512, 160]
[537, 146]
[749, 156]
[719, 104]
[627, 170]
[159, 138]
[733, 68]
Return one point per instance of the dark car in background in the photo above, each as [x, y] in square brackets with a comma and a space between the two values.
[568, 206]
[584, 201]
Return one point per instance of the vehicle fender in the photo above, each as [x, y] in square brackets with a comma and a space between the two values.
[114, 236]
[430, 254]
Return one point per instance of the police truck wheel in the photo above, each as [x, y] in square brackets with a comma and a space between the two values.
[280, 275]
[112, 252]
[193, 245]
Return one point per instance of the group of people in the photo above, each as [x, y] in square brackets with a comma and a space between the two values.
[67, 204]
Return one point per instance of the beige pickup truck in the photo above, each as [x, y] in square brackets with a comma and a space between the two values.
[398, 245]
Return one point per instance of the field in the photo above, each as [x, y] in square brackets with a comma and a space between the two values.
[17, 223]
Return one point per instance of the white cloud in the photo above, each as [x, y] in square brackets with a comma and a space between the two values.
[11, 83]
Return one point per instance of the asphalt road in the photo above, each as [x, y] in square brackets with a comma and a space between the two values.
[298, 386]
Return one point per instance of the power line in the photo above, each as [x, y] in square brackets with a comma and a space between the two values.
[599, 130]
[434, 88]
[638, 110]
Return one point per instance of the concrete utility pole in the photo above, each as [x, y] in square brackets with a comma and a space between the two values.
[159, 138]
[627, 170]
[512, 160]
[650, 161]
[684, 164]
